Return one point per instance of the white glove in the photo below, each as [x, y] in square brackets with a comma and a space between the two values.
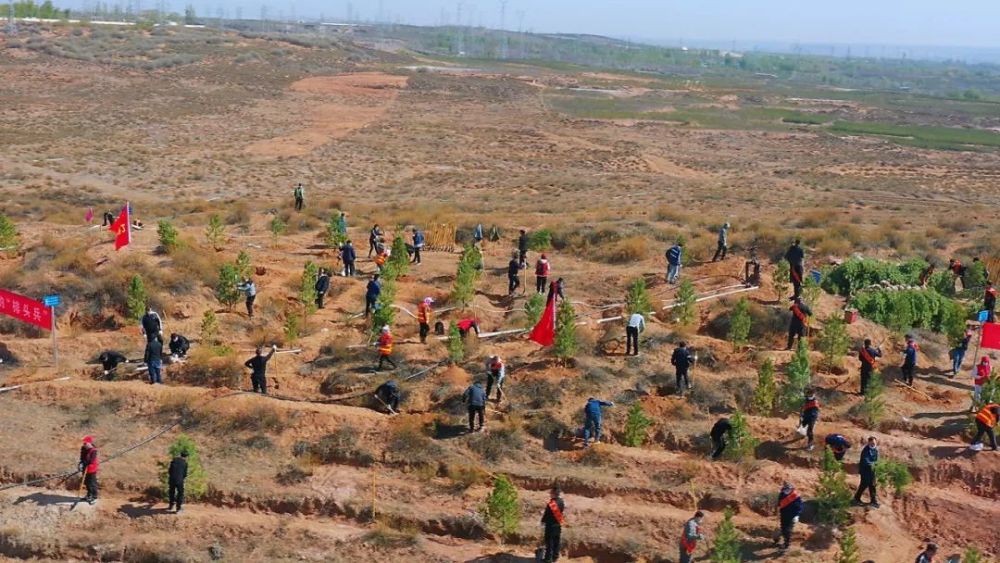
[795, 520]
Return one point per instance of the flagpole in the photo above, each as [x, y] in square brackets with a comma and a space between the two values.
[128, 221]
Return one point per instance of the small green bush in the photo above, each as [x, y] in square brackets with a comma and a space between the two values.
[781, 275]
[243, 265]
[9, 237]
[209, 327]
[565, 341]
[638, 299]
[215, 232]
[727, 547]
[686, 311]
[456, 347]
[973, 555]
[502, 510]
[833, 495]
[848, 544]
[335, 234]
[167, 233]
[533, 309]
[540, 240]
[799, 378]
[636, 425]
[307, 287]
[277, 228]
[742, 443]
[766, 392]
[890, 472]
[739, 324]
[913, 308]
[858, 273]
[833, 341]
[227, 288]
[873, 406]
[135, 303]
[399, 262]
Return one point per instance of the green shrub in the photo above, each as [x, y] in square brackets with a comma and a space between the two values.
[781, 274]
[399, 262]
[277, 228]
[686, 311]
[858, 273]
[913, 308]
[196, 484]
[227, 288]
[739, 324]
[307, 288]
[727, 547]
[9, 237]
[167, 233]
[385, 313]
[565, 341]
[972, 555]
[890, 472]
[215, 232]
[848, 544]
[833, 341]
[209, 327]
[636, 425]
[975, 278]
[533, 309]
[336, 235]
[135, 302]
[243, 265]
[833, 495]
[943, 283]
[540, 240]
[292, 327]
[742, 443]
[873, 406]
[811, 291]
[638, 299]
[766, 392]
[799, 376]
[456, 347]
[502, 509]
[469, 271]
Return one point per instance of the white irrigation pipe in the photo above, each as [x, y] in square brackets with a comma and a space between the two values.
[706, 298]
[13, 387]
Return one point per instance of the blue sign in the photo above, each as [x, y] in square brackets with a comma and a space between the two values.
[51, 300]
[983, 316]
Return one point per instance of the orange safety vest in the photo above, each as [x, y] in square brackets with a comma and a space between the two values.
[556, 513]
[496, 366]
[792, 497]
[689, 545]
[380, 259]
[423, 313]
[811, 404]
[986, 415]
[867, 357]
[801, 316]
[385, 344]
[542, 268]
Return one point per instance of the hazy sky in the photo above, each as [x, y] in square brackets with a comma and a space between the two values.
[971, 23]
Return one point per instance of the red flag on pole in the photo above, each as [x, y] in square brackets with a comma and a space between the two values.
[122, 227]
[544, 332]
[991, 336]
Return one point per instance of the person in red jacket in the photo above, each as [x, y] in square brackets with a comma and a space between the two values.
[385, 348]
[424, 318]
[88, 466]
[981, 375]
[542, 268]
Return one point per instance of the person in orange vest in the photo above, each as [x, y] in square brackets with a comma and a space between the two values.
[789, 508]
[957, 269]
[88, 466]
[838, 444]
[381, 257]
[990, 302]
[981, 375]
[867, 355]
[542, 268]
[553, 520]
[808, 416]
[690, 536]
[986, 421]
[800, 320]
[424, 318]
[385, 348]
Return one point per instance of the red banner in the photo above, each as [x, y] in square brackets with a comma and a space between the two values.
[991, 336]
[25, 309]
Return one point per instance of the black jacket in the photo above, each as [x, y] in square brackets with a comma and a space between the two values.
[522, 243]
[347, 253]
[796, 323]
[322, 284]
[721, 427]
[548, 518]
[179, 345]
[154, 351]
[513, 268]
[111, 359]
[681, 359]
[388, 390]
[259, 364]
[795, 255]
[178, 470]
[151, 323]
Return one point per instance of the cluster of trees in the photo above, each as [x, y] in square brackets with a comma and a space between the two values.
[29, 9]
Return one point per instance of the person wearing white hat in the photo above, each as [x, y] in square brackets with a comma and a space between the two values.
[424, 318]
[385, 348]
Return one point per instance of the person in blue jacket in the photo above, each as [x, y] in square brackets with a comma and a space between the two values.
[373, 290]
[909, 367]
[789, 509]
[838, 444]
[674, 256]
[348, 255]
[592, 419]
[418, 244]
[866, 467]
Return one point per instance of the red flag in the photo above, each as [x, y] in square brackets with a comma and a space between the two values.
[122, 227]
[25, 309]
[991, 336]
[544, 332]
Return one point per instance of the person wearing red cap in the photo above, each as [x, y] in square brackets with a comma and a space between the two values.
[88, 466]
[542, 268]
